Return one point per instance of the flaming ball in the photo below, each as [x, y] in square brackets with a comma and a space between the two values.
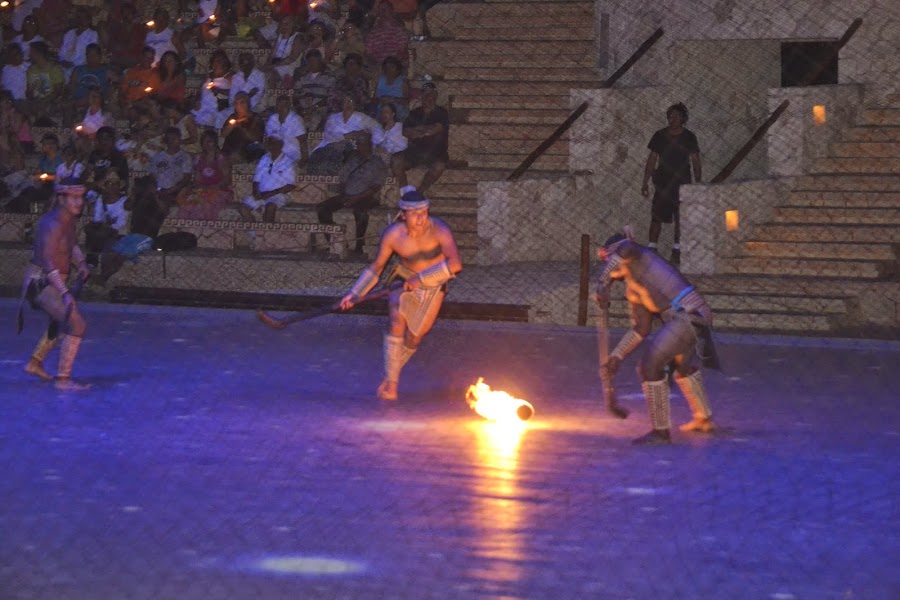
[497, 405]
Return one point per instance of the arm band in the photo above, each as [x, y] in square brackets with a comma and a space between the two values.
[611, 265]
[631, 340]
[57, 282]
[435, 275]
[366, 281]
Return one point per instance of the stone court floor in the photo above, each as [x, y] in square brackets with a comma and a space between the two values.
[217, 459]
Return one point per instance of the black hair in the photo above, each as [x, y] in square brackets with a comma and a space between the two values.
[680, 107]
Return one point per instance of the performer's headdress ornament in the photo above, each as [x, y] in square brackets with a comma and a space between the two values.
[411, 199]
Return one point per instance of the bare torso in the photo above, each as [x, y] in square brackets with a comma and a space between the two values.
[54, 242]
[651, 282]
[417, 253]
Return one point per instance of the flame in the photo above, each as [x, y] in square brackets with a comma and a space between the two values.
[4, 4]
[151, 23]
[79, 127]
[210, 85]
[232, 121]
[148, 89]
[497, 405]
[44, 176]
[212, 17]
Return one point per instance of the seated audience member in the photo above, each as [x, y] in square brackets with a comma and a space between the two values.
[362, 178]
[243, 132]
[388, 138]
[92, 74]
[387, 37]
[141, 143]
[109, 219]
[137, 84]
[174, 114]
[162, 38]
[50, 158]
[93, 119]
[426, 128]
[70, 168]
[172, 86]
[15, 133]
[73, 51]
[275, 177]
[212, 182]
[172, 168]
[266, 34]
[317, 39]
[215, 96]
[328, 157]
[358, 13]
[312, 91]
[249, 80]
[288, 125]
[351, 82]
[287, 54]
[21, 10]
[124, 37]
[15, 75]
[209, 22]
[28, 36]
[350, 40]
[103, 159]
[46, 82]
[393, 88]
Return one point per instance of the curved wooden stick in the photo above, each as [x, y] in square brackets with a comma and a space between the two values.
[276, 323]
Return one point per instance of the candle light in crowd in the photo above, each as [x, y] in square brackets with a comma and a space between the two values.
[44, 176]
[78, 127]
[151, 23]
[232, 121]
[148, 89]
[212, 17]
[4, 4]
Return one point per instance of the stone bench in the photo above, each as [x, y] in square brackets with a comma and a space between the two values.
[281, 237]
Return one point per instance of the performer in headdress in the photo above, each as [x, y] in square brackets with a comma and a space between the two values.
[46, 286]
[428, 260]
[654, 288]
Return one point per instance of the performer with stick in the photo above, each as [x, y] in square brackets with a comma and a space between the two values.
[429, 258]
[654, 288]
[45, 286]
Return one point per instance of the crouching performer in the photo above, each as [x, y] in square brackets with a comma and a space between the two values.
[654, 288]
[428, 260]
[46, 286]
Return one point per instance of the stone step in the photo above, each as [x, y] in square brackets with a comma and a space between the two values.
[469, 11]
[846, 199]
[547, 162]
[525, 117]
[517, 34]
[848, 183]
[464, 132]
[460, 176]
[430, 50]
[881, 116]
[865, 150]
[513, 88]
[578, 77]
[517, 147]
[850, 269]
[835, 250]
[803, 232]
[872, 134]
[858, 165]
[544, 61]
[559, 101]
[842, 216]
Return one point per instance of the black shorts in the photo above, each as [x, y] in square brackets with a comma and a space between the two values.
[665, 205]
[417, 158]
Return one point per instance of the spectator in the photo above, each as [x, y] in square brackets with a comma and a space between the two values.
[387, 37]
[138, 83]
[175, 115]
[109, 219]
[161, 37]
[70, 168]
[212, 182]
[172, 85]
[50, 158]
[215, 97]
[389, 138]
[328, 157]
[426, 128]
[15, 134]
[172, 168]
[352, 82]
[287, 53]
[358, 13]
[53, 20]
[22, 9]
[243, 132]
[275, 177]
[15, 75]
[288, 125]
[266, 35]
[673, 151]
[103, 159]
[124, 37]
[73, 51]
[393, 88]
[141, 144]
[45, 85]
[250, 80]
[362, 178]
[28, 36]
[94, 116]
[317, 39]
[85, 77]
[350, 40]
[312, 92]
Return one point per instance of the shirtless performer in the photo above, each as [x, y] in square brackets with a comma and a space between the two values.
[45, 285]
[654, 288]
[428, 260]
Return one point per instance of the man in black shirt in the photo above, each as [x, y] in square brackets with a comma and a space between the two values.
[427, 129]
[674, 150]
[104, 158]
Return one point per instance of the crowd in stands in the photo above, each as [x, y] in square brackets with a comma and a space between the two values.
[126, 87]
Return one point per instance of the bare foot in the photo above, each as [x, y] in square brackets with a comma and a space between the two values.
[37, 369]
[701, 425]
[387, 390]
[65, 384]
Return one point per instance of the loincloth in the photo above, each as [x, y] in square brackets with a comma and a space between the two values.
[421, 306]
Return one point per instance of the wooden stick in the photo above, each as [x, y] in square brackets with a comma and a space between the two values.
[276, 323]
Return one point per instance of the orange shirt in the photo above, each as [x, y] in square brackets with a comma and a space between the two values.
[137, 80]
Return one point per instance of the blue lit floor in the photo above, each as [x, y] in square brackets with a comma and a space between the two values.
[217, 459]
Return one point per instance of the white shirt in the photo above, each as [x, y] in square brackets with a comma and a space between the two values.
[273, 175]
[206, 9]
[74, 45]
[63, 171]
[171, 168]
[115, 213]
[269, 32]
[160, 42]
[392, 140]
[92, 122]
[289, 130]
[26, 46]
[336, 128]
[21, 10]
[256, 79]
[209, 115]
[15, 80]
